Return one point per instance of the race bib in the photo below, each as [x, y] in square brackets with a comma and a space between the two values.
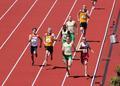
[83, 16]
[48, 39]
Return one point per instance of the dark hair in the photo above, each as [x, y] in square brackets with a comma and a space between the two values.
[34, 29]
[64, 26]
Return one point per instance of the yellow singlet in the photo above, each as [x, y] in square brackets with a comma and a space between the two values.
[49, 40]
[83, 17]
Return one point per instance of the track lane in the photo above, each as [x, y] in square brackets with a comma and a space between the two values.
[56, 70]
[113, 61]
[12, 18]
[13, 52]
[77, 69]
[28, 69]
[6, 11]
[4, 5]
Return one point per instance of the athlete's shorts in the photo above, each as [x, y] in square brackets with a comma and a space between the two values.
[68, 57]
[72, 36]
[49, 48]
[83, 24]
[33, 49]
[84, 57]
[95, 0]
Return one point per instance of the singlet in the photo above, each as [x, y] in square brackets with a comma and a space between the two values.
[84, 46]
[34, 40]
[83, 17]
[70, 25]
[67, 48]
[49, 39]
[64, 34]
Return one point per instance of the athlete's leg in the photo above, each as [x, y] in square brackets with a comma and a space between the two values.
[86, 67]
[67, 68]
[46, 56]
[32, 54]
[82, 30]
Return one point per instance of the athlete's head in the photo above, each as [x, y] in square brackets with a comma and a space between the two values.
[70, 18]
[49, 30]
[83, 39]
[84, 8]
[64, 27]
[34, 30]
[68, 39]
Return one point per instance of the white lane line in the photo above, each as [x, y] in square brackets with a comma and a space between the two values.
[99, 56]
[54, 43]
[8, 10]
[18, 24]
[21, 55]
[75, 52]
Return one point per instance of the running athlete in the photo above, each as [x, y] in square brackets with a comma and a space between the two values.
[83, 17]
[93, 2]
[48, 42]
[33, 39]
[71, 26]
[64, 33]
[67, 53]
[84, 49]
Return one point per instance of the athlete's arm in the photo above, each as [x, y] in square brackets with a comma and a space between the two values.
[63, 50]
[90, 48]
[30, 38]
[78, 16]
[44, 39]
[79, 48]
[60, 35]
[54, 38]
[88, 14]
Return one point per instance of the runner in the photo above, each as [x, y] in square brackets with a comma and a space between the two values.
[83, 17]
[93, 2]
[33, 39]
[71, 26]
[48, 42]
[67, 53]
[64, 33]
[84, 49]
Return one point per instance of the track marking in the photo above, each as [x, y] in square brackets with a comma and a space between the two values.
[75, 52]
[99, 56]
[18, 25]
[8, 10]
[27, 46]
[54, 43]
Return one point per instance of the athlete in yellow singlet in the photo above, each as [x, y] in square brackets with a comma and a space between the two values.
[49, 39]
[83, 17]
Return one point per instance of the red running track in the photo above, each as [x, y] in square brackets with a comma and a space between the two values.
[24, 73]
[12, 18]
[95, 33]
[54, 15]
[4, 5]
[113, 61]
[10, 53]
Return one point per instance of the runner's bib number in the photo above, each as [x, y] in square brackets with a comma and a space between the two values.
[48, 39]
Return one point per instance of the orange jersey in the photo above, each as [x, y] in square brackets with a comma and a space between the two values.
[83, 17]
[49, 39]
